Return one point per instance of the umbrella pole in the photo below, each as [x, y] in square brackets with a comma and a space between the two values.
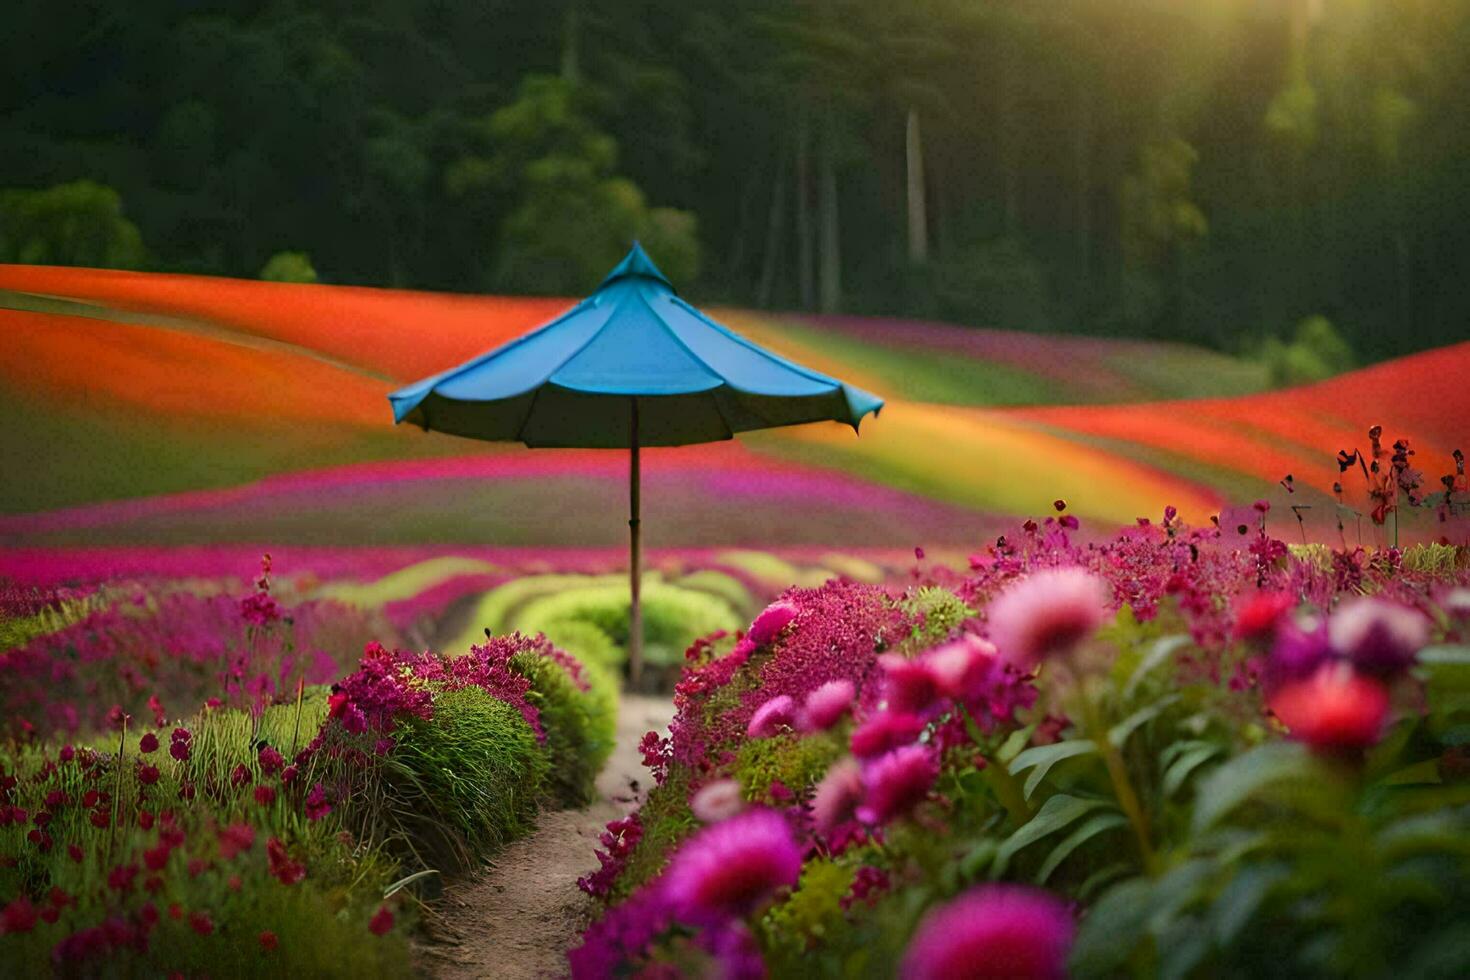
[635, 563]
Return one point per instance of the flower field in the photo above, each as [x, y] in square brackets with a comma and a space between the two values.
[1172, 753]
[983, 426]
[194, 781]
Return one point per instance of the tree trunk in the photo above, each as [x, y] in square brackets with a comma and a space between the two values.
[571, 62]
[1082, 163]
[804, 239]
[827, 201]
[1010, 178]
[918, 216]
[772, 254]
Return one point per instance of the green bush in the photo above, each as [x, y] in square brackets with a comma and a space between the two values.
[588, 643]
[80, 223]
[1316, 352]
[580, 726]
[673, 617]
[288, 267]
[463, 784]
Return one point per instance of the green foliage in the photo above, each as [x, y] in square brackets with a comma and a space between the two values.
[573, 217]
[795, 762]
[80, 223]
[580, 726]
[461, 785]
[1315, 353]
[666, 820]
[937, 614]
[17, 631]
[993, 284]
[587, 642]
[811, 914]
[288, 267]
[673, 617]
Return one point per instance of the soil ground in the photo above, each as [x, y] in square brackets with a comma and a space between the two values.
[515, 918]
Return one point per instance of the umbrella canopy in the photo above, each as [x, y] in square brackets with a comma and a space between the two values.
[568, 384]
[632, 365]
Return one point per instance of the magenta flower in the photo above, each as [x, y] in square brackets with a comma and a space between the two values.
[826, 705]
[897, 782]
[962, 667]
[772, 620]
[316, 803]
[148, 743]
[731, 867]
[772, 717]
[993, 931]
[1047, 614]
[1259, 614]
[837, 796]
[717, 801]
[885, 731]
[271, 760]
[909, 686]
[1380, 638]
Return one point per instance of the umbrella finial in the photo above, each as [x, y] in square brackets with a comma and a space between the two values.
[636, 263]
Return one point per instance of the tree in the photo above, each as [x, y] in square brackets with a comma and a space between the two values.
[80, 223]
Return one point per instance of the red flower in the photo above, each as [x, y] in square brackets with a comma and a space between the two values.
[240, 775]
[175, 911]
[316, 803]
[282, 867]
[268, 941]
[100, 818]
[288, 775]
[337, 704]
[75, 853]
[147, 775]
[58, 897]
[179, 750]
[145, 819]
[57, 798]
[270, 760]
[121, 877]
[201, 923]
[265, 795]
[235, 838]
[156, 857]
[234, 883]
[1258, 614]
[90, 798]
[148, 743]
[18, 916]
[1335, 710]
[382, 921]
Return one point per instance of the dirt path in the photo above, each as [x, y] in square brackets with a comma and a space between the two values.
[515, 918]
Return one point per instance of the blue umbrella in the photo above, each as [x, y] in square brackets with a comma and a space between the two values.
[632, 365]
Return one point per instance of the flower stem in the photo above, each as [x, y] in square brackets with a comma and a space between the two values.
[998, 776]
[1117, 774]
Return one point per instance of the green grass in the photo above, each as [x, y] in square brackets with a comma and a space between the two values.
[580, 726]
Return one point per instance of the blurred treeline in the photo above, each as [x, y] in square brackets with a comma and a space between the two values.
[1213, 170]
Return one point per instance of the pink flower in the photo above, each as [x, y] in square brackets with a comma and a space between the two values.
[316, 803]
[772, 620]
[717, 801]
[826, 705]
[908, 685]
[1335, 710]
[282, 867]
[837, 796]
[1258, 615]
[268, 940]
[729, 868]
[772, 717]
[897, 782]
[884, 731]
[993, 931]
[382, 921]
[1380, 638]
[1047, 614]
[961, 667]
[235, 839]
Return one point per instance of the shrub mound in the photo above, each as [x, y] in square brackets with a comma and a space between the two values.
[1170, 753]
[283, 828]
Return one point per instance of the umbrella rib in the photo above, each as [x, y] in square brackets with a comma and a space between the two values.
[756, 348]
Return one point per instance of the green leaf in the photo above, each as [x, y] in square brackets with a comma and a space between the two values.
[1176, 774]
[1161, 651]
[1240, 778]
[1182, 947]
[1013, 745]
[979, 858]
[1056, 813]
[1101, 877]
[1240, 898]
[1119, 733]
[1109, 933]
[1101, 823]
[1043, 757]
